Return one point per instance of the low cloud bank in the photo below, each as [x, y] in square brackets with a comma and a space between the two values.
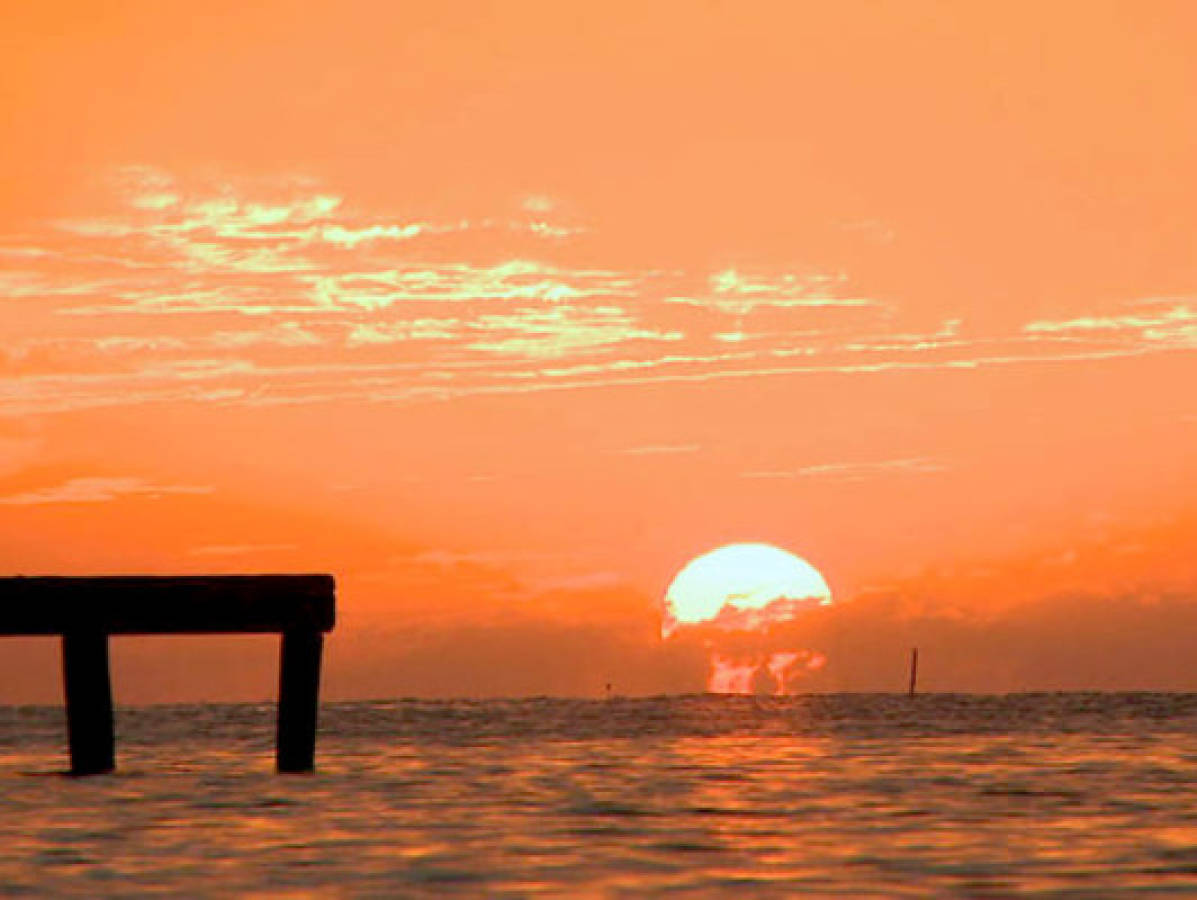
[1075, 642]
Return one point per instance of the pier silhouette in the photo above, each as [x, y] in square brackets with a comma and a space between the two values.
[86, 610]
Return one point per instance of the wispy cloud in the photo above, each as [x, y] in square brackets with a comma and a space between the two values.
[538, 203]
[738, 293]
[511, 280]
[239, 549]
[440, 558]
[562, 331]
[583, 581]
[281, 291]
[914, 466]
[98, 490]
[856, 471]
[660, 449]
[1174, 324]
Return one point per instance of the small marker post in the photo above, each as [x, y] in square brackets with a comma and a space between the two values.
[914, 668]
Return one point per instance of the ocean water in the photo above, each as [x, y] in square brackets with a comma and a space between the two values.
[1086, 795]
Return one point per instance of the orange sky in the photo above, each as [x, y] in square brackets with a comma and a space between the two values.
[502, 312]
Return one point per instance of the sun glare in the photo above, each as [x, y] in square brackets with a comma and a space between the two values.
[742, 587]
[747, 589]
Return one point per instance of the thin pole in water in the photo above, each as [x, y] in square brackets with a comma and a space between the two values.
[914, 668]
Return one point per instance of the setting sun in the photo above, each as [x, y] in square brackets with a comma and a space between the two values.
[742, 587]
[736, 599]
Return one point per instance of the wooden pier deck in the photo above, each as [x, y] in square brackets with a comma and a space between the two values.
[86, 610]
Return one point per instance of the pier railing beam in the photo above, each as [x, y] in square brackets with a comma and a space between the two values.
[298, 699]
[88, 690]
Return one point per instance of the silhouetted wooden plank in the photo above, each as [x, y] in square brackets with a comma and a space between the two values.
[164, 604]
[88, 702]
[298, 700]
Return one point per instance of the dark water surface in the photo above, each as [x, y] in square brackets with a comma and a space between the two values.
[1087, 795]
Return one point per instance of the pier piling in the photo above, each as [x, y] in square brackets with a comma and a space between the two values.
[298, 699]
[88, 690]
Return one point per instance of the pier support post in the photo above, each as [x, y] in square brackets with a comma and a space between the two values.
[298, 698]
[88, 692]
